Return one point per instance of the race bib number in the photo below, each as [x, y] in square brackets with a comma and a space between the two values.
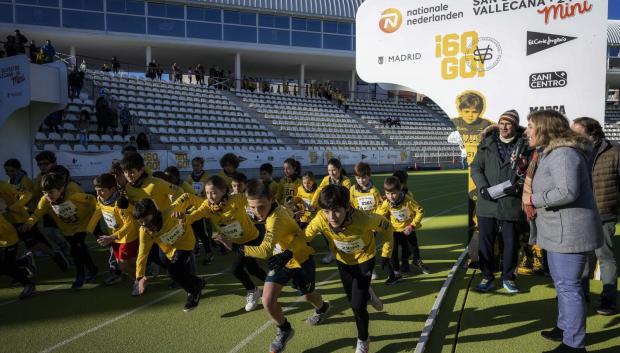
[66, 211]
[2, 206]
[232, 230]
[350, 247]
[198, 187]
[109, 220]
[366, 203]
[401, 215]
[172, 235]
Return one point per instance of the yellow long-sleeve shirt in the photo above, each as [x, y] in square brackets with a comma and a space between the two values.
[13, 203]
[345, 182]
[25, 184]
[71, 215]
[187, 187]
[281, 233]
[160, 191]
[231, 220]
[355, 244]
[198, 184]
[226, 178]
[409, 211]
[173, 236]
[37, 191]
[120, 221]
[303, 200]
[365, 201]
[8, 234]
[286, 191]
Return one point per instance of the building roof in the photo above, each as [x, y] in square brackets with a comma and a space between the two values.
[613, 32]
[323, 8]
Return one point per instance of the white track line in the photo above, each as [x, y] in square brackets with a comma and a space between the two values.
[269, 323]
[117, 318]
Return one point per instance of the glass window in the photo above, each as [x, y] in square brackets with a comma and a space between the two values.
[53, 3]
[164, 27]
[6, 14]
[282, 22]
[6, 1]
[128, 24]
[273, 21]
[344, 28]
[303, 24]
[305, 39]
[241, 18]
[273, 36]
[38, 16]
[313, 25]
[204, 14]
[240, 33]
[330, 27]
[165, 10]
[82, 19]
[331, 41]
[204, 30]
[133, 7]
[298, 23]
[92, 5]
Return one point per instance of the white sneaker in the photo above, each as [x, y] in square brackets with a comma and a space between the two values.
[328, 259]
[252, 299]
[374, 301]
[375, 275]
[363, 346]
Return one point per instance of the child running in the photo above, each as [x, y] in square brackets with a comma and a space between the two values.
[19, 270]
[303, 200]
[229, 163]
[405, 215]
[117, 214]
[290, 182]
[198, 176]
[290, 259]
[176, 242]
[71, 211]
[336, 175]
[351, 236]
[266, 175]
[17, 176]
[230, 219]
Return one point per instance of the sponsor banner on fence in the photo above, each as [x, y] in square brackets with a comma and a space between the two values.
[85, 164]
[479, 58]
[14, 85]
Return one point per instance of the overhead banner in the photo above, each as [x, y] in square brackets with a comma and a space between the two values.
[14, 85]
[480, 58]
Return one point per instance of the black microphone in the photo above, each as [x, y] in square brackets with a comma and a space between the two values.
[519, 148]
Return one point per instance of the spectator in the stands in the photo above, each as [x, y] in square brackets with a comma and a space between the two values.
[53, 120]
[175, 71]
[106, 68]
[76, 81]
[125, 117]
[151, 70]
[116, 65]
[113, 115]
[20, 42]
[159, 71]
[83, 126]
[9, 46]
[132, 144]
[396, 122]
[102, 106]
[50, 51]
[33, 50]
[40, 59]
[83, 67]
[2, 54]
[143, 142]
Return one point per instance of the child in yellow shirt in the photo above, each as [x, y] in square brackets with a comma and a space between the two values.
[19, 270]
[303, 199]
[405, 215]
[198, 176]
[289, 184]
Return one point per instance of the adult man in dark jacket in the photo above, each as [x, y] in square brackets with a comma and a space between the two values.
[491, 167]
[606, 184]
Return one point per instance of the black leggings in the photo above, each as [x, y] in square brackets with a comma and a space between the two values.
[32, 237]
[9, 265]
[80, 254]
[412, 238]
[200, 230]
[180, 269]
[356, 282]
[400, 241]
[241, 263]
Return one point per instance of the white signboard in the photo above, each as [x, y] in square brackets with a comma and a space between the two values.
[14, 85]
[480, 58]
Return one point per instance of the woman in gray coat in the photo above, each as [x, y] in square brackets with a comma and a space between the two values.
[559, 203]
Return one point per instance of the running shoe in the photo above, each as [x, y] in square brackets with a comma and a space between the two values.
[363, 346]
[485, 285]
[422, 267]
[375, 275]
[28, 291]
[90, 275]
[328, 259]
[317, 318]
[282, 337]
[113, 278]
[78, 283]
[252, 299]
[510, 286]
[397, 277]
[374, 301]
[192, 301]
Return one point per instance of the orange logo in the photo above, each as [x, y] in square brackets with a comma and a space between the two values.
[391, 19]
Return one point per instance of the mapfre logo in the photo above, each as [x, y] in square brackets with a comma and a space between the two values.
[391, 19]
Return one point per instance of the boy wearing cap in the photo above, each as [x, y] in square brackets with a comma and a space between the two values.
[491, 167]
